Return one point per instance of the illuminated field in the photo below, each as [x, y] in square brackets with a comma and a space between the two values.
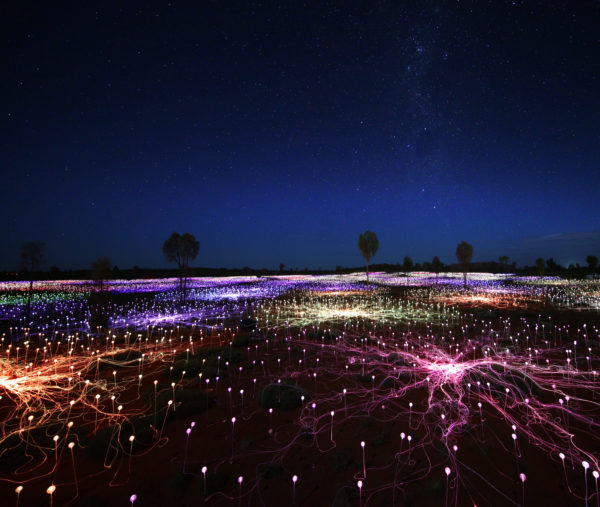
[461, 397]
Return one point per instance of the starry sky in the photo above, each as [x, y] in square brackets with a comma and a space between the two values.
[277, 131]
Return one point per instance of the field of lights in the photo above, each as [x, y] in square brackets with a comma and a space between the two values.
[301, 390]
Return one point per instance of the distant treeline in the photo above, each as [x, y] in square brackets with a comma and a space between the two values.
[551, 269]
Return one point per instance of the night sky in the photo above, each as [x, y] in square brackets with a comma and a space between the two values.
[277, 132]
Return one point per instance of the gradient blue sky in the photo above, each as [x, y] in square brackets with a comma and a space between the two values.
[278, 131]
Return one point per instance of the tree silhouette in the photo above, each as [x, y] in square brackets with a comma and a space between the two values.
[436, 265]
[408, 264]
[31, 254]
[504, 261]
[592, 261]
[101, 270]
[539, 264]
[368, 244]
[464, 254]
[181, 249]
[281, 267]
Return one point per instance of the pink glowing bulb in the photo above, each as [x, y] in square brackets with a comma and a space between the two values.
[240, 480]
[132, 499]
[447, 470]
[294, 479]
[585, 464]
[359, 484]
[523, 477]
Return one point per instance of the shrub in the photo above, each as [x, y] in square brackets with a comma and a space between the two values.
[282, 396]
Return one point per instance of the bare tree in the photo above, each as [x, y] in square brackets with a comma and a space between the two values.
[368, 244]
[436, 265]
[101, 270]
[181, 249]
[31, 255]
[464, 254]
[539, 264]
